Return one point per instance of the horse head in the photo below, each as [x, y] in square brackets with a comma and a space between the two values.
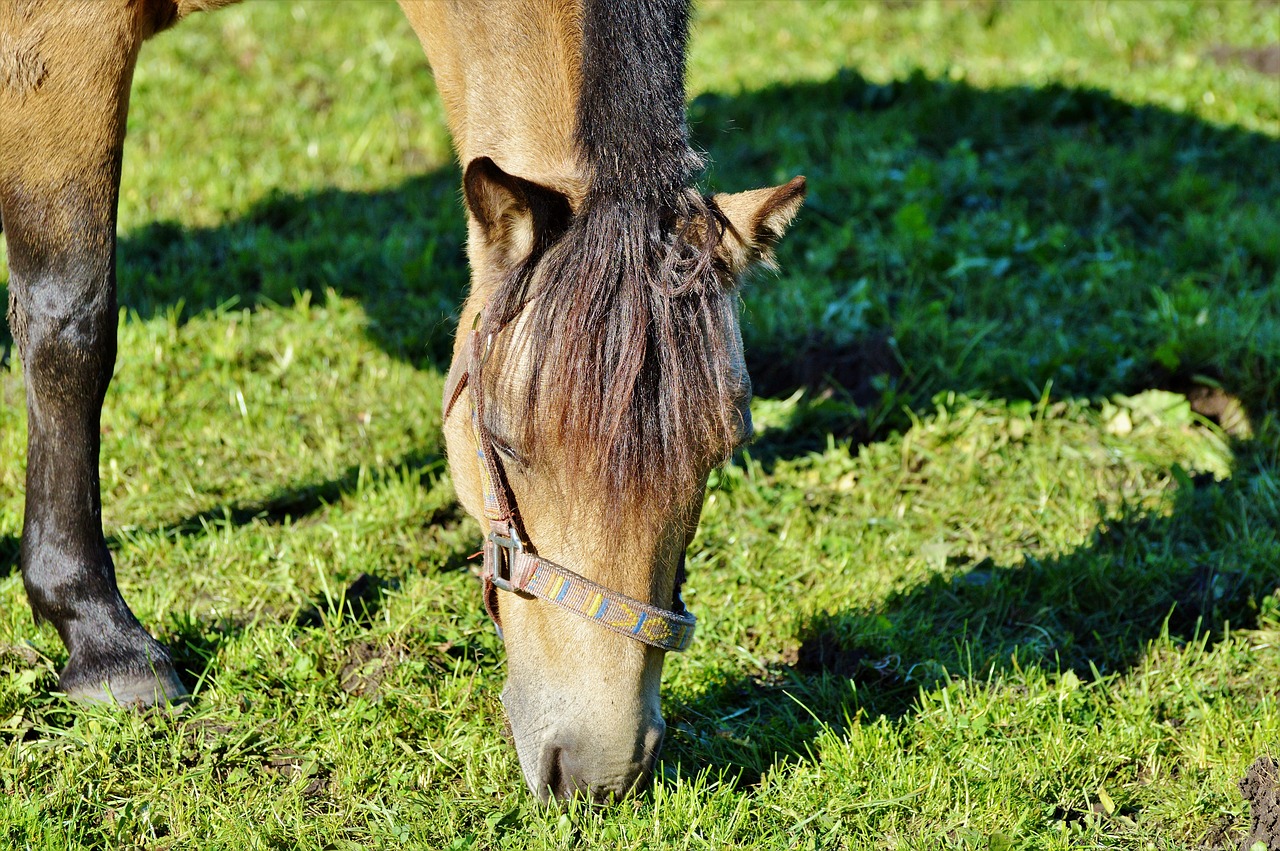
[598, 378]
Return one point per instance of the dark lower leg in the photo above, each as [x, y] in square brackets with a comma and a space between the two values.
[67, 569]
[64, 320]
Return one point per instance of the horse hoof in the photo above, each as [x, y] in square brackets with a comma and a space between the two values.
[158, 684]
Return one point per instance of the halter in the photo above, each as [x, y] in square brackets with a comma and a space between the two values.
[511, 563]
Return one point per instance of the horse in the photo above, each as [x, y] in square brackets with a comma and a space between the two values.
[597, 375]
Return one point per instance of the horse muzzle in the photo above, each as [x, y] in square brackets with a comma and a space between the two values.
[570, 756]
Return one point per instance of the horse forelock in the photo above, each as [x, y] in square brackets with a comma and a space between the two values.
[627, 339]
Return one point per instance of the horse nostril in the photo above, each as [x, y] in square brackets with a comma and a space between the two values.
[558, 779]
[564, 776]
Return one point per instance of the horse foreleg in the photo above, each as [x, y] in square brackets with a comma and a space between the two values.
[62, 121]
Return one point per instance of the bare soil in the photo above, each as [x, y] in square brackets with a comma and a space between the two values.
[1260, 790]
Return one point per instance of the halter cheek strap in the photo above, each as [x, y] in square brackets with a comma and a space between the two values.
[509, 563]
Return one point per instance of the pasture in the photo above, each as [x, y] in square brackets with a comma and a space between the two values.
[1001, 570]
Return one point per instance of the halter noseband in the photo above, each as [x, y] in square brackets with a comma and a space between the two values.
[511, 565]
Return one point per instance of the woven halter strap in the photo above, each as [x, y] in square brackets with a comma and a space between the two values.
[511, 564]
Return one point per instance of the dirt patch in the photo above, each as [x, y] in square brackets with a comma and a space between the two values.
[364, 668]
[295, 766]
[1214, 403]
[1264, 60]
[1260, 789]
[206, 739]
[23, 655]
[1221, 836]
[823, 652]
[821, 366]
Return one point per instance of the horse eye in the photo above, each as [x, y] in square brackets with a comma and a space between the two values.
[504, 449]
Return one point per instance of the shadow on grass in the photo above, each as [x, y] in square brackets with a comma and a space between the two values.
[1197, 574]
[990, 241]
[195, 643]
[956, 238]
[998, 241]
[400, 252]
[291, 503]
[195, 646]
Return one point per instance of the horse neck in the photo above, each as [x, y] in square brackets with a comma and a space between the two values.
[509, 74]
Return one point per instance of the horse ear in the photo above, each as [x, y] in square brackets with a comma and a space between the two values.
[758, 218]
[514, 215]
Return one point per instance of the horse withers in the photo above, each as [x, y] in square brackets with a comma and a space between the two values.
[597, 378]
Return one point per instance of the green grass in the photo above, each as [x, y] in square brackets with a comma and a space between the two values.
[997, 585]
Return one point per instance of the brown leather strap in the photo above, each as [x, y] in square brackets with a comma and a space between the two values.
[454, 384]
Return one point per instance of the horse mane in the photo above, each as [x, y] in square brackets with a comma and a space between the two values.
[627, 322]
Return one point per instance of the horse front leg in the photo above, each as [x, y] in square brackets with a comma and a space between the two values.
[61, 129]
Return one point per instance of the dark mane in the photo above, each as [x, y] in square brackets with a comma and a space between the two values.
[631, 117]
[631, 321]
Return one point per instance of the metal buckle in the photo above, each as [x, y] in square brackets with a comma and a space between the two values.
[507, 546]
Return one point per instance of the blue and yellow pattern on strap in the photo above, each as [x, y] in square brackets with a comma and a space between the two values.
[555, 584]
